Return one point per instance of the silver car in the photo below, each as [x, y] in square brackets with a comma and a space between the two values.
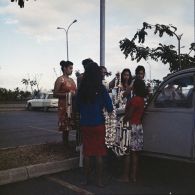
[169, 119]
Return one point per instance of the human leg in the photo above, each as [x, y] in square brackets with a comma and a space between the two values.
[99, 170]
[65, 135]
[136, 147]
[86, 170]
[125, 174]
[134, 165]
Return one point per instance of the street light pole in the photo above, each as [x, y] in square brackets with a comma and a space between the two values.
[102, 32]
[66, 31]
[149, 70]
[179, 39]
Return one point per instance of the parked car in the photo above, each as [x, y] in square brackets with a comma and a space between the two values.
[169, 118]
[43, 101]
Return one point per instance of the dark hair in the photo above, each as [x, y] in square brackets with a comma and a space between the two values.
[65, 64]
[86, 61]
[139, 68]
[130, 76]
[103, 67]
[91, 83]
[107, 73]
[139, 88]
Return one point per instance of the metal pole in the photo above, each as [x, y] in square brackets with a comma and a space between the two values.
[66, 31]
[67, 45]
[149, 70]
[179, 38]
[102, 32]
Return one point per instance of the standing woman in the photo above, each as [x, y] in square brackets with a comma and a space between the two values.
[121, 93]
[91, 100]
[126, 79]
[140, 72]
[125, 84]
[133, 115]
[65, 89]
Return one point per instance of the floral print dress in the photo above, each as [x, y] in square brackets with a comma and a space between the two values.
[65, 119]
[136, 143]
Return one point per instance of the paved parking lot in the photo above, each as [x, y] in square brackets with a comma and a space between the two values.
[156, 176]
[25, 128]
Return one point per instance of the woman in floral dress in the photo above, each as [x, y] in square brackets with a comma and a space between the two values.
[133, 115]
[65, 89]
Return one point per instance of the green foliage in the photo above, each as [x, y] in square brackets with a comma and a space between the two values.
[15, 95]
[165, 53]
[20, 2]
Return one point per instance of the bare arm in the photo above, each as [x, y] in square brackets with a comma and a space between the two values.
[128, 114]
[127, 91]
[57, 87]
[62, 94]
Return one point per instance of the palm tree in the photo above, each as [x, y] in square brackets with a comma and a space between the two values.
[26, 83]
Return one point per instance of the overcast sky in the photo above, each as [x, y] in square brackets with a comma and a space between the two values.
[30, 44]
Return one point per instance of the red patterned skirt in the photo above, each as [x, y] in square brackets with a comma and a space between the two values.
[93, 138]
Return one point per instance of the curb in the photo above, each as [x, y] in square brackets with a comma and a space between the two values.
[11, 109]
[31, 171]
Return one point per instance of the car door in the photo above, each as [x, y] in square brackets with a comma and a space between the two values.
[46, 102]
[35, 101]
[169, 121]
[41, 100]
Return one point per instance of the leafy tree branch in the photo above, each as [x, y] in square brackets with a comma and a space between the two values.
[20, 2]
[165, 53]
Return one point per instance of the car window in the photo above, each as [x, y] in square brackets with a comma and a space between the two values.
[42, 96]
[50, 96]
[37, 96]
[177, 93]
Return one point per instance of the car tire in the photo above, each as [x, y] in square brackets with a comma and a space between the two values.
[29, 107]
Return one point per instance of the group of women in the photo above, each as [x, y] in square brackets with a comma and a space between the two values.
[92, 98]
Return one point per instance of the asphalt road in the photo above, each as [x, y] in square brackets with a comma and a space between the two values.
[29, 127]
[156, 176]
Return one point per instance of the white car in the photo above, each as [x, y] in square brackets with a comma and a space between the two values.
[42, 101]
[169, 122]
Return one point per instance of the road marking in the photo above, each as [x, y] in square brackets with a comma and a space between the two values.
[53, 131]
[45, 129]
[69, 186]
